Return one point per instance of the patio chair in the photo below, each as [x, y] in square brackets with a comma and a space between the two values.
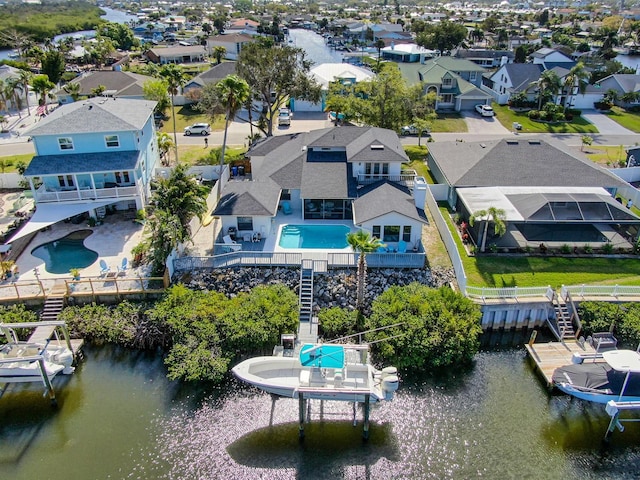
[402, 246]
[235, 246]
[122, 269]
[104, 268]
[382, 249]
[286, 208]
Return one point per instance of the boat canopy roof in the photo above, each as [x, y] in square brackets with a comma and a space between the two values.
[623, 360]
[322, 355]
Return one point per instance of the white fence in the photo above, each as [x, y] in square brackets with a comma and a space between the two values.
[440, 192]
[601, 290]
[509, 292]
[448, 240]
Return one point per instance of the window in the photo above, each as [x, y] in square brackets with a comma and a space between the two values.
[391, 233]
[446, 82]
[472, 76]
[112, 141]
[375, 232]
[447, 98]
[65, 181]
[245, 223]
[122, 177]
[406, 233]
[65, 143]
[286, 194]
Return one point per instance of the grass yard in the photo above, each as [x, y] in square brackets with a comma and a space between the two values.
[8, 163]
[630, 120]
[417, 156]
[186, 116]
[512, 271]
[198, 155]
[607, 156]
[507, 117]
[449, 123]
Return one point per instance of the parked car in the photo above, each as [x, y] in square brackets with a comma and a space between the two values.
[413, 130]
[485, 110]
[198, 129]
[284, 117]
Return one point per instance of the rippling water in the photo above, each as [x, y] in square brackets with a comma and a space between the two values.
[119, 417]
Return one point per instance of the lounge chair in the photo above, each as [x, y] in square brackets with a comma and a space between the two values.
[235, 246]
[122, 269]
[286, 208]
[104, 268]
[402, 246]
[382, 250]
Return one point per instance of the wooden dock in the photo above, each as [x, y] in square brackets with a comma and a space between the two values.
[552, 355]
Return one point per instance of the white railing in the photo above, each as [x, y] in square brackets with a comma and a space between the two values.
[509, 292]
[448, 240]
[601, 290]
[404, 178]
[44, 196]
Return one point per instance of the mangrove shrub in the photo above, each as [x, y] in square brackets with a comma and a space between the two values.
[600, 316]
[439, 327]
[337, 322]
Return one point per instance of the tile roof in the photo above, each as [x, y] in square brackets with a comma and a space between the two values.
[82, 163]
[517, 162]
[98, 114]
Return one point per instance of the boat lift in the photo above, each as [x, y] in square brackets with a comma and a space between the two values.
[614, 408]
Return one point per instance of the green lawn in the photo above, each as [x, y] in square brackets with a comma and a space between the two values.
[198, 155]
[607, 156]
[417, 155]
[8, 163]
[630, 120]
[186, 116]
[449, 123]
[506, 116]
[521, 271]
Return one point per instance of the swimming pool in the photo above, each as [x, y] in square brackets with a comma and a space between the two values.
[65, 253]
[314, 236]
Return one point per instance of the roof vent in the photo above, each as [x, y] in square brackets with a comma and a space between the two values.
[512, 142]
[90, 107]
[482, 145]
[377, 147]
[534, 142]
[304, 148]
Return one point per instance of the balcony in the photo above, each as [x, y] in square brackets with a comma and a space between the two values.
[73, 194]
[406, 178]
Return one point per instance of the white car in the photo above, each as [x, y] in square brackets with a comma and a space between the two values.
[198, 129]
[413, 130]
[284, 117]
[485, 110]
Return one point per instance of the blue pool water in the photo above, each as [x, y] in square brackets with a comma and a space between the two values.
[314, 236]
[66, 253]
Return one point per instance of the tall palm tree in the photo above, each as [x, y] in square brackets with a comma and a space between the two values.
[73, 89]
[3, 95]
[219, 53]
[13, 91]
[42, 86]
[492, 214]
[24, 77]
[175, 77]
[232, 92]
[164, 145]
[362, 243]
[577, 75]
[548, 85]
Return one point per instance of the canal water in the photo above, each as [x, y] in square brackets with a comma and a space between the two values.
[118, 417]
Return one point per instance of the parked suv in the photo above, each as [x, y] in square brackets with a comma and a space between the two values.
[198, 129]
[485, 110]
[284, 117]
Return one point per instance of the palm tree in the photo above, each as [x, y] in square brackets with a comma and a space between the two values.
[630, 97]
[13, 91]
[577, 75]
[232, 92]
[73, 89]
[548, 85]
[219, 53]
[24, 77]
[362, 243]
[164, 145]
[492, 214]
[379, 45]
[42, 86]
[175, 78]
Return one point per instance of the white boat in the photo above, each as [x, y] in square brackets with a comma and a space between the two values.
[321, 371]
[19, 362]
[615, 377]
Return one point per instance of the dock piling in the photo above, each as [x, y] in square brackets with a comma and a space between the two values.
[367, 407]
[47, 382]
[301, 415]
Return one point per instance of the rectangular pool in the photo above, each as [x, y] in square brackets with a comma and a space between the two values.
[314, 236]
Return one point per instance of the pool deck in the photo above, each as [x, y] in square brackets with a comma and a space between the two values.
[113, 240]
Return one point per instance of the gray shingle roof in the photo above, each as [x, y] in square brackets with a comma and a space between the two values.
[123, 83]
[383, 198]
[95, 115]
[214, 74]
[522, 74]
[82, 163]
[251, 199]
[521, 162]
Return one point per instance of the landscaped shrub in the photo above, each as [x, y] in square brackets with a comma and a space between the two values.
[628, 327]
[603, 105]
[607, 248]
[534, 114]
[337, 322]
[588, 249]
[597, 316]
[17, 314]
[565, 249]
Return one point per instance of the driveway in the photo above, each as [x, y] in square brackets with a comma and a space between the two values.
[604, 124]
[477, 124]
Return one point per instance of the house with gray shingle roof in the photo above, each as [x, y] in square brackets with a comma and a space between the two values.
[116, 83]
[332, 175]
[455, 81]
[621, 83]
[513, 78]
[89, 155]
[213, 75]
[549, 193]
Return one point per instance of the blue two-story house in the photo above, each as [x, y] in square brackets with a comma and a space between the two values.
[91, 154]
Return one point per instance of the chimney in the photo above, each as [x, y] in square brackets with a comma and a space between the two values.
[419, 191]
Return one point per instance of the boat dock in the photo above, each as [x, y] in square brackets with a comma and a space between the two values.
[551, 355]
